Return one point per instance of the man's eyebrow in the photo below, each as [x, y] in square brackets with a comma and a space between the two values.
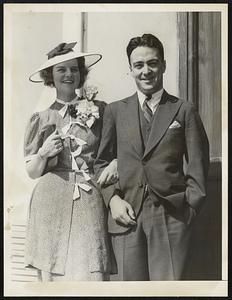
[153, 59]
[138, 62]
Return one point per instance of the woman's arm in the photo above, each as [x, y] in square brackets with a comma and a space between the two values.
[36, 165]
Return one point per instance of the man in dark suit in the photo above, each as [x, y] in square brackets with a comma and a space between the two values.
[163, 159]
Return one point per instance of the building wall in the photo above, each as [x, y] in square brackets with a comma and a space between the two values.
[200, 47]
[29, 36]
[27, 40]
[110, 33]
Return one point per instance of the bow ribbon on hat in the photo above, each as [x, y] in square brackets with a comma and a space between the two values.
[62, 48]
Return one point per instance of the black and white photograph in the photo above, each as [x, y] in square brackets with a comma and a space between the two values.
[115, 149]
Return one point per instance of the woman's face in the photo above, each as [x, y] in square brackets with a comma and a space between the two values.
[66, 77]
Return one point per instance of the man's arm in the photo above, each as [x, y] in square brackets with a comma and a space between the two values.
[107, 152]
[121, 210]
[197, 158]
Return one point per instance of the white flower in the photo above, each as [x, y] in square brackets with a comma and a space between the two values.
[87, 112]
[90, 92]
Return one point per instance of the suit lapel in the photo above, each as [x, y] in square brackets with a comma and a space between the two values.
[164, 115]
[130, 121]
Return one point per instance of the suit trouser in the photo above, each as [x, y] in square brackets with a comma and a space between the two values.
[155, 249]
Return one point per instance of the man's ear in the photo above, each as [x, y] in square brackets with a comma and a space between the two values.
[131, 71]
[164, 66]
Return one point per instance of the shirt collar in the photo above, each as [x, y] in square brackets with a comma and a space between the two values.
[154, 101]
[64, 108]
[74, 101]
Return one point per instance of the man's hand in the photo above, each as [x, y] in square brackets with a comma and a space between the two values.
[122, 211]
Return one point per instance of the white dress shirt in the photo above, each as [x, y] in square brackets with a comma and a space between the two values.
[153, 102]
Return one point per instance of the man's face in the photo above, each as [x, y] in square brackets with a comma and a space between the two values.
[147, 68]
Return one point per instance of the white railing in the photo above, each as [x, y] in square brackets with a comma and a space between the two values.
[18, 271]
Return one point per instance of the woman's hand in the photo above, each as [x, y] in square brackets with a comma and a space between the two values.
[52, 146]
[109, 174]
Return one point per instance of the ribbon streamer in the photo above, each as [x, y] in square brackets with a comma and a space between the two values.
[77, 152]
[86, 176]
[63, 110]
[65, 129]
[80, 142]
[74, 164]
[83, 186]
[90, 122]
[77, 121]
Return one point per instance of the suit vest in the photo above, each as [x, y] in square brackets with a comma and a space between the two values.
[145, 126]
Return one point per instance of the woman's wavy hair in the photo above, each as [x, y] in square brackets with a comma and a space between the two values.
[47, 77]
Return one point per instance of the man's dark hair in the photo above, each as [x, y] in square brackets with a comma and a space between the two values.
[147, 40]
[47, 76]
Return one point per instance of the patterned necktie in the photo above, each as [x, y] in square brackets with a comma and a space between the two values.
[147, 110]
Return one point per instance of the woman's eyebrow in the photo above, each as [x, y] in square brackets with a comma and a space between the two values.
[64, 67]
[59, 67]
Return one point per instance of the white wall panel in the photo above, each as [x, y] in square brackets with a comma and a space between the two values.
[109, 34]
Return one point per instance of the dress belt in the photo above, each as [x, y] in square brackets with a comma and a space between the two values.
[91, 173]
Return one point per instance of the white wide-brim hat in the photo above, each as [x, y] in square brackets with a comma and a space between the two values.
[90, 60]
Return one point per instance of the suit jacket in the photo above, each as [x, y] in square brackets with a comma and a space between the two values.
[176, 133]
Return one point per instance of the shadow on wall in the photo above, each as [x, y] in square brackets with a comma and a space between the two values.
[206, 244]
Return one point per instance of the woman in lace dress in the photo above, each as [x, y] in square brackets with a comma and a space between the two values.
[66, 230]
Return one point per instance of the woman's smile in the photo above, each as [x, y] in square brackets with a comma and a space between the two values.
[68, 81]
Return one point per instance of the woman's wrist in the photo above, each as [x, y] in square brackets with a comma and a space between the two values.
[41, 154]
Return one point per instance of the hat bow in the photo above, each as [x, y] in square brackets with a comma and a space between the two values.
[62, 48]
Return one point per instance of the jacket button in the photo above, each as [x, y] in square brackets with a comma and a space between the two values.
[143, 163]
[140, 184]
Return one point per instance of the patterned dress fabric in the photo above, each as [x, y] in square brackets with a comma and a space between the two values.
[66, 229]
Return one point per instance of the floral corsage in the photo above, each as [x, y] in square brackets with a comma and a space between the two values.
[86, 111]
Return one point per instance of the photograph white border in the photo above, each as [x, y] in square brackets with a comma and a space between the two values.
[154, 288]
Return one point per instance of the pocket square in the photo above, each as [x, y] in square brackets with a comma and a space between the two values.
[175, 124]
